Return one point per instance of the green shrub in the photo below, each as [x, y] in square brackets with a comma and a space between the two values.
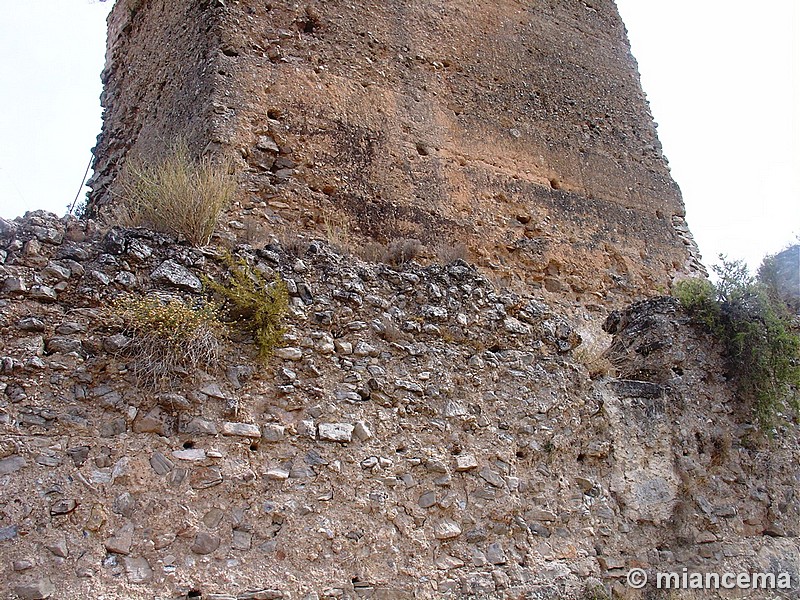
[698, 297]
[254, 304]
[762, 349]
[168, 339]
[175, 194]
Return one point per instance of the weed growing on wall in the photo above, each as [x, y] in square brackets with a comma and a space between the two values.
[756, 330]
[168, 339]
[253, 303]
[175, 194]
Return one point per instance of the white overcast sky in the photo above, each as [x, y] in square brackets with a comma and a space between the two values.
[722, 77]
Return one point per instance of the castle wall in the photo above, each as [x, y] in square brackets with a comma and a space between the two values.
[158, 86]
[518, 129]
[420, 434]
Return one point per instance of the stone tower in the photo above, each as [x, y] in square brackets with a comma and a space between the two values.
[519, 129]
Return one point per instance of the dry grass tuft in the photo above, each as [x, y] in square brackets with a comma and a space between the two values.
[372, 252]
[592, 354]
[176, 194]
[293, 244]
[402, 251]
[450, 252]
[168, 339]
[337, 232]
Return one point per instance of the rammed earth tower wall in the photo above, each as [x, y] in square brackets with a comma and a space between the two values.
[519, 128]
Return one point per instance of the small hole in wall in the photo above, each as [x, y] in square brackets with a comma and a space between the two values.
[194, 594]
[521, 454]
[274, 113]
[188, 444]
[581, 457]
[254, 447]
[422, 150]
[555, 183]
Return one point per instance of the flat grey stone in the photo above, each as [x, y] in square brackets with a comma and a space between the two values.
[99, 276]
[11, 464]
[205, 543]
[466, 462]
[213, 390]
[267, 144]
[124, 504]
[277, 474]
[538, 514]
[364, 349]
[138, 570]
[446, 530]
[362, 431]
[213, 518]
[122, 540]
[199, 426]
[22, 565]
[8, 533]
[454, 409]
[241, 429]
[288, 353]
[190, 454]
[492, 478]
[37, 589]
[242, 540]
[175, 275]
[160, 463]
[427, 499]
[56, 270]
[31, 324]
[336, 432]
[115, 343]
[43, 293]
[64, 345]
[176, 476]
[273, 432]
[261, 595]
[14, 285]
[495, 554]
[63, 507]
